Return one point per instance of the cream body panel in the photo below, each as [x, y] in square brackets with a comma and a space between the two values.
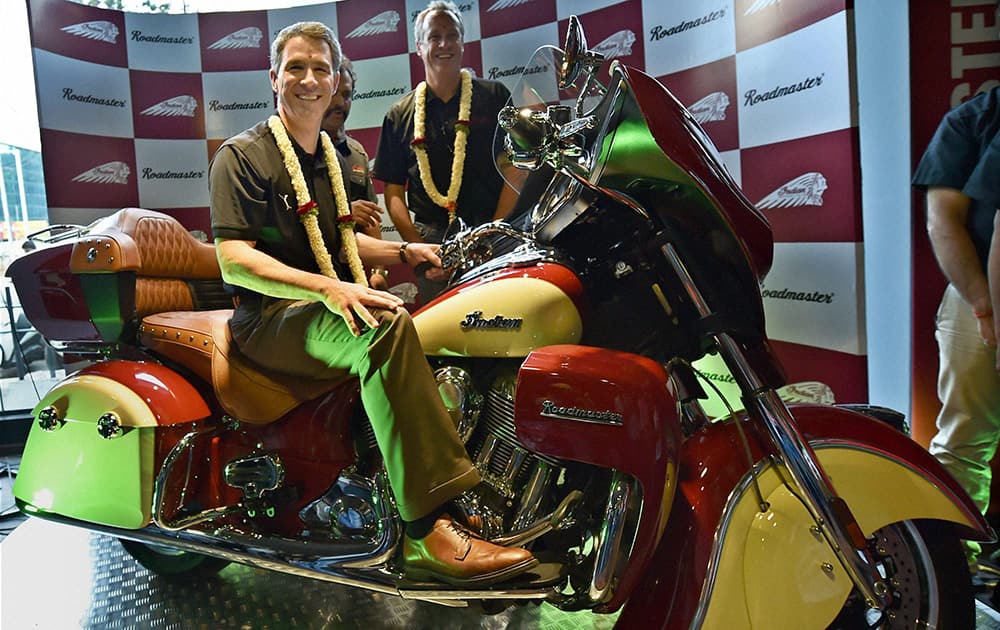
[489, 311]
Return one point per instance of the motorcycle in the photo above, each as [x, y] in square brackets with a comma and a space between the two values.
[563, 350]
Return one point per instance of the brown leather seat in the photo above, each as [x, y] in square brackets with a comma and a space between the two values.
[200, 340]
[165, 257]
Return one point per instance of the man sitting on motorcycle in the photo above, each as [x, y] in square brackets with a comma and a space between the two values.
[285, 240]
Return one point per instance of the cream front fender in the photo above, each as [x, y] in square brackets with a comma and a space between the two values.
[775, 570]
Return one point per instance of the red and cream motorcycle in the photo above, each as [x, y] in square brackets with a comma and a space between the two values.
[563, 349]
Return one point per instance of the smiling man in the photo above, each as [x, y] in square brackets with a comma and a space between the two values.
[436, 154]
[285, 241]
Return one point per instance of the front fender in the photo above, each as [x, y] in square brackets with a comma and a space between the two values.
[726, 564]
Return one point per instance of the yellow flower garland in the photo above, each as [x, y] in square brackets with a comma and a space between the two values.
[308, 209]
[449, 201]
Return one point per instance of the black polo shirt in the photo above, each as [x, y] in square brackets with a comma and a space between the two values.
[396, 162]
[252, 199]
[961, 141]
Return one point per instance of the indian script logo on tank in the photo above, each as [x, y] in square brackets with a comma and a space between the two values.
[99, 30]
[710, 108]
[805, 190]
[500, 5]
[248, 37]
[384, 22]
[177, 106]
[760, 5]
[617, 45]
[107, 173]
[476, 321]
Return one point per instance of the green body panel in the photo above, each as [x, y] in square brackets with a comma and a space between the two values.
[75, 472]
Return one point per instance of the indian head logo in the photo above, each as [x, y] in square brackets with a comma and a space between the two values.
[107, 173]
[804, 190]
[500, 5]
[807, 392]
[710, 108]
[99, 30]
[248, 37]
[177, 106]
[759, 5]
[385, 22]
[617, 45]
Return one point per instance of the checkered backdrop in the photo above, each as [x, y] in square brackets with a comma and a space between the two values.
[132, 106]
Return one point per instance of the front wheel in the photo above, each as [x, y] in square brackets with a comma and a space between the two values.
[926, 570]
[173, 563]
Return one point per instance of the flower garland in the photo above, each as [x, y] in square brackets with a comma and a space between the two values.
[308, 209]
[449, 201]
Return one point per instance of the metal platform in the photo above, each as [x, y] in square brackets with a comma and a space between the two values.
[56, 577]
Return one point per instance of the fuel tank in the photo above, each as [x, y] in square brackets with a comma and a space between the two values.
[506, 313]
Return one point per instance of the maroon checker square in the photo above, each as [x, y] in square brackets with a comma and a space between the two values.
[472, 58]
[700, 89]
[84, 171]
[780, 179]
[167, 105]
[615, 32]
[374, 28]
[234, 41]
[846, 374]
[79, 31]
[759, 21]
[497, 17]
[213, 146]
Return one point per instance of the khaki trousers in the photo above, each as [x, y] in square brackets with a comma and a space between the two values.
[425, 460]
[969, 388]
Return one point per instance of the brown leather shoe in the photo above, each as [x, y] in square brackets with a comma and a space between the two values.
[451, 553]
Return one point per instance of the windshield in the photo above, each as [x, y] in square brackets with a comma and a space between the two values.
[538, 88]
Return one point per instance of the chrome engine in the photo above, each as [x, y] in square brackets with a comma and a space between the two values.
[519, 478]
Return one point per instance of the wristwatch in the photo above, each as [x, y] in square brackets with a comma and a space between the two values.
[402, 252]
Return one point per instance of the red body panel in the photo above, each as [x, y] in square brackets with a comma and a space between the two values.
[644, 445]
[711, 465]
[556, 274]
[171, 398]
[675, 131]
[313, 442]
[51, 296]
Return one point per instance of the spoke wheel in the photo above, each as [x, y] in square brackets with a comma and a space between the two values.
[926, 570]
[173, 563]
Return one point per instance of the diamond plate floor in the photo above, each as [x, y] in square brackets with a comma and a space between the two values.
[55, 577]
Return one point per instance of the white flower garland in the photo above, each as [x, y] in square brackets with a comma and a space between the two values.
[308, 209]
[449, 201]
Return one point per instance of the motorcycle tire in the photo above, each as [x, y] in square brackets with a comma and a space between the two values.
[173, 563]
[930, 579]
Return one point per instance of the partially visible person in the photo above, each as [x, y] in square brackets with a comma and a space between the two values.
[285, 241]
[354, 161]
[436, 153]
[959, 171]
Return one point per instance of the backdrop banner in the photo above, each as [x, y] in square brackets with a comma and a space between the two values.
[132, 106]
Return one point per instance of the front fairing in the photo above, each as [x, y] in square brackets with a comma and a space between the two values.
[637, 150]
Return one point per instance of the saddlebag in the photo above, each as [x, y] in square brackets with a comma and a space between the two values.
[90, 452]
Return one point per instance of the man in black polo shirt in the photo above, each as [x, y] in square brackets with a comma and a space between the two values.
[427, 187]
[960, 170]
[284, 237]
